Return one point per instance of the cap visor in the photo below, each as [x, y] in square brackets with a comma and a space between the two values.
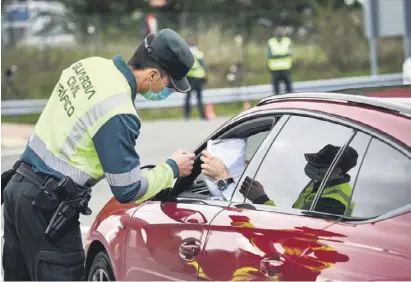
[180, 85]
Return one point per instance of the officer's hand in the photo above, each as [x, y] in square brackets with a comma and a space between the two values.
[253, 188]
[185, 162]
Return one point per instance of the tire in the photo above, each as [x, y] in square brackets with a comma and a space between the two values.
[101, 269]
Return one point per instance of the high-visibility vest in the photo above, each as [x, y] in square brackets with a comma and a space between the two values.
[197, 70]
[77, 108]
[280, 50]
[341, 192]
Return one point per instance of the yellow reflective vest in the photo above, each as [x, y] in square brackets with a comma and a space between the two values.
[341, 192]
[281, 58]
[77, 108]
[88, 94]
[197, 70]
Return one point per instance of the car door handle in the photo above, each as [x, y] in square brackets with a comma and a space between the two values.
[188, 250]
[272, 266]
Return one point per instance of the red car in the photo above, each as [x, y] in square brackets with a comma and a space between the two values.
[184, 233]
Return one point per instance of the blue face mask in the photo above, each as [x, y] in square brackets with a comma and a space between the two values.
[155, 96]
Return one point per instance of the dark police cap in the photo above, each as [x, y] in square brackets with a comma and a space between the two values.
[170, 51]
[326, 155]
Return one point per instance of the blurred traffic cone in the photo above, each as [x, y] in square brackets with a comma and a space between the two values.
[246, 106]
[209, 112]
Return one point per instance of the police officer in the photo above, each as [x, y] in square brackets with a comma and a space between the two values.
[88, 131]
[279, 56]
[196, 77]
[337, 192]
[335, 197]
[10, 83]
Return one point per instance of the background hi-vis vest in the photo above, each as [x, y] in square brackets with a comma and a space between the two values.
[342, 193]
[197, 71]
[87, 95]
[280, 50]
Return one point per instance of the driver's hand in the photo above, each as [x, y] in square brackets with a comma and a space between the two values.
[213, 167]
[185, 162]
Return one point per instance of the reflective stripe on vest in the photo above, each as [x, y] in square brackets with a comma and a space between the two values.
[280, 50]
[341, 193]
[88, 119]
[39, 147]
[197, 70]
[88, 94]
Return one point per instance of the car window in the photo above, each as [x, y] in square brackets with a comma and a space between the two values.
[384, 181]
[337, 192]
[282, 176]
[243, 139]
[252, 143]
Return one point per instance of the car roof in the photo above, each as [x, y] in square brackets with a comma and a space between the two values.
[391, 116]
[400, 106]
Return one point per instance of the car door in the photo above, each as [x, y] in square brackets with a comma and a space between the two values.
[374, 241]
[249, 241]
[166, 238]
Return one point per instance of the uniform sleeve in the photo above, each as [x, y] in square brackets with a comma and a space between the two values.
[264, 200]
[202, 62]
[329, 205]
[269, 53]
[270, 203]
[115, 146]
[290, 49]
[201, 59]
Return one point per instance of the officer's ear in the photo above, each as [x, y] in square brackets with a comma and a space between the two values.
[153, 75]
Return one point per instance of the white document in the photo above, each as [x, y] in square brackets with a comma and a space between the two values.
[232, 153]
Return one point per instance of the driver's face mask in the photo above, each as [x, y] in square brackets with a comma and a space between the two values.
[157, 96]
[318, 173]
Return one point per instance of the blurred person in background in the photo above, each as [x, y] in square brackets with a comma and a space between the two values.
[197, 78]
[279, 59]
[12, 91]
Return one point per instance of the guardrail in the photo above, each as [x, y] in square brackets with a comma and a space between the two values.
[224, 95]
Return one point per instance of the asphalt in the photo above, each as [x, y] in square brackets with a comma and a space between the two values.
[157, 141]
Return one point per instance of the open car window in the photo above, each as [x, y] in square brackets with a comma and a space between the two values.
[206, 186]
[252, 130]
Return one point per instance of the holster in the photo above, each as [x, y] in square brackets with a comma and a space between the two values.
[6, 177]
[47, 198]
[74, 199]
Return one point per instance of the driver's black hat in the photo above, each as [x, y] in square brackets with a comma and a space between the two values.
[172, 53]
[326, 155]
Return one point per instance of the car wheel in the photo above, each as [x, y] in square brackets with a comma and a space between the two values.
[100, 269]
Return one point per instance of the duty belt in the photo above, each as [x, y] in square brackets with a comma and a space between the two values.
[27, 172]
[63, 198]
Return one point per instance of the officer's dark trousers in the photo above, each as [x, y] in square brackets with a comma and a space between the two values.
[27, 253]
[277, 77]
[197, 86]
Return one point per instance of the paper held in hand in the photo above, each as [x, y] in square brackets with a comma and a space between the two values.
[232, 153]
